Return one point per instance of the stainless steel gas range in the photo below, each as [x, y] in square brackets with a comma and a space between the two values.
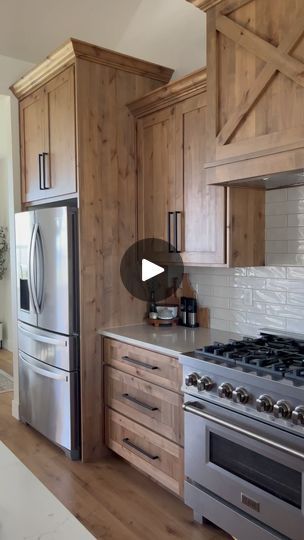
[244, 436]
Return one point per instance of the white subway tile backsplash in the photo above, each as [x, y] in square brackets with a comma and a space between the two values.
[266, 272]
[286, 259]
[296, 299]
[268, 321]
[294, 220]
[216, 301]
[284, 311]
[270, 296]
[276, 246]
[295, 273]
[294, 193]
[243, 300]
[248, 282]
[278, 195]
[228, 314]
[295, 326]
[219, 324]
[276, 221]
[284, 284]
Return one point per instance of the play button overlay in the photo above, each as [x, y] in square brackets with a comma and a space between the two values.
[151, 266]
[150, 270]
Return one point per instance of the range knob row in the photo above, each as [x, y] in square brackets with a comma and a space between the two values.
[202, 383]
[280, 409]
[264, 403]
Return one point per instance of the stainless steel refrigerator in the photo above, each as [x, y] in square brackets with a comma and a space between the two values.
[47, 291]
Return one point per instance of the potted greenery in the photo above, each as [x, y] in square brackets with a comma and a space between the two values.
[3, 267]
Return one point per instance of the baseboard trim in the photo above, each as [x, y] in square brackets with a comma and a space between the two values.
[15, 409]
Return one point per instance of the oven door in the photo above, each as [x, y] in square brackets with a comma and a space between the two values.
[250, 465]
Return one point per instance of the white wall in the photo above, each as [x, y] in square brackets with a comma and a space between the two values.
[245, 299]
[5, 152]
[10, 70]
[168, 32]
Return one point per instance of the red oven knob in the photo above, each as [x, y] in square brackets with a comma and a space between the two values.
[225, 390]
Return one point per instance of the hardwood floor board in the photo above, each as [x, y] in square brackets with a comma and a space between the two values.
[6, 361]
[110, 498]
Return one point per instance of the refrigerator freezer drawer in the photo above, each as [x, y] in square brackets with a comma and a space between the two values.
[49, 402]
[53, 349]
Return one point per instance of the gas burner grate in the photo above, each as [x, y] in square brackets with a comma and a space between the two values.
[270, 355]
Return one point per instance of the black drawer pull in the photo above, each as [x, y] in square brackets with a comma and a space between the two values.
[40, 158]
[129, 444]
[138, 363]
[139, 403]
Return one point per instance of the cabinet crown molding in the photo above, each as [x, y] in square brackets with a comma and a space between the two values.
[74, 49]
[204, 5]
[174, 92]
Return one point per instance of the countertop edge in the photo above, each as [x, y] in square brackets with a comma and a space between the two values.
[139, 343]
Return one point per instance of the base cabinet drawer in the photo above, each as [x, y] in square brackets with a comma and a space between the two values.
[149, 365]
[154, 455]
[156, 408]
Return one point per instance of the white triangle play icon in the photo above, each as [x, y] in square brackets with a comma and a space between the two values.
[150, 270]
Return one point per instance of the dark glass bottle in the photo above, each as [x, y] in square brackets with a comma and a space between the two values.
[152, 308]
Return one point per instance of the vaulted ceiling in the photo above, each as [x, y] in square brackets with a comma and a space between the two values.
[169, 32]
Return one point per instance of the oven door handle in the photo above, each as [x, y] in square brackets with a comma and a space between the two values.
[194, 407]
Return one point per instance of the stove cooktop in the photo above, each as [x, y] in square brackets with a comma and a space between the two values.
[270, 354]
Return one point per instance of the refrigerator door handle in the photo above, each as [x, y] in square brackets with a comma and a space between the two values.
[44, 372]
[40, 269]
[32, 268]
[42, 339]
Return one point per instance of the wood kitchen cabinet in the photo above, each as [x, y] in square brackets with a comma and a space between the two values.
[255, 90]
[209, 225]
[48, 140]
[144, 414]
[73, 108]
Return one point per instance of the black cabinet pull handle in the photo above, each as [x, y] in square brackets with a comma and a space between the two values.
[138, 363]
[44, 155]
[139, 403]
[40, 171]
[171, 249]
[177, 239]
[126, 442]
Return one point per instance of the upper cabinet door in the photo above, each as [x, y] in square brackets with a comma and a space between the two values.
[156, 174]
[203, 206]
[48, 140]
[60, 135]
[32, 128]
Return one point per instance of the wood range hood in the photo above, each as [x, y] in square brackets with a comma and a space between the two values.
[255, 92]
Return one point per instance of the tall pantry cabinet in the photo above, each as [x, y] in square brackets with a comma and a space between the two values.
[77, 140]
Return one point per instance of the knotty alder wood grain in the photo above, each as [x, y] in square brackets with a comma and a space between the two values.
[110, 498]
[175, 118]
[157, 408]
[156, 368]
[107, 221]
[255, 91]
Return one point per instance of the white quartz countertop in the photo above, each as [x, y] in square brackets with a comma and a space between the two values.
[28, 510]
[172, 340]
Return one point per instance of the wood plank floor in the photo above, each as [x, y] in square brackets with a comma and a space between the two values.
[110, 498]
[6, 361]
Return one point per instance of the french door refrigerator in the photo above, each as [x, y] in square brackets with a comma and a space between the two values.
[47, 291]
